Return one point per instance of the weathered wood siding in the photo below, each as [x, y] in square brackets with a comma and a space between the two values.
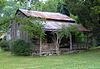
[24, 36]
[16, 33]
[36, 49]
[13, 31]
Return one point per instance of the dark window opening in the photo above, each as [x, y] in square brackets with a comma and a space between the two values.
[65, 43]
[49, 36]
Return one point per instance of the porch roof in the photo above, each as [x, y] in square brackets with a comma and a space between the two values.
[55, 25]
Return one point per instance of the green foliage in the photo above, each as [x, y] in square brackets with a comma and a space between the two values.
[2, 3]
[88, 13]
[4, 45]
[4, 23]
[66, 31]
[50, 5]
[8, 10]
[81, 37]
[75, 17]
[32, 25]
[38, 6]
[21, 48]
[62, 8]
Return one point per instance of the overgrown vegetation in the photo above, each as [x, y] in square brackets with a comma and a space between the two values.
[66, 32]
[21, 48]
[34, 26]
[88, 14]
[4, 45]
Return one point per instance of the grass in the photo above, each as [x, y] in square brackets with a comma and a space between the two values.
[83, 60]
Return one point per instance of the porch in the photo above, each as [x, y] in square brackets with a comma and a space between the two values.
[50, 46]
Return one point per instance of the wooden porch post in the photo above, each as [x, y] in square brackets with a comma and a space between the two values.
[40, 47]
[57, 45]
[87, 41]
[70, 41]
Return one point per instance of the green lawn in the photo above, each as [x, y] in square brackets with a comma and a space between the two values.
[83, 60]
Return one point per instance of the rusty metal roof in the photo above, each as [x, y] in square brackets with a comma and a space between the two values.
[61, 20]
[47, 15]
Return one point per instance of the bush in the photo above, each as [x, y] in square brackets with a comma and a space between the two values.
[4, 45]
[21, 48]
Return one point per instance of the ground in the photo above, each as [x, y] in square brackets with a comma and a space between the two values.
[84, 60]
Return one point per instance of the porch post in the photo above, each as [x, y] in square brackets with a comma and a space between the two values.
[40, 48]
[87, 40]
[57, 46]
[70, 41]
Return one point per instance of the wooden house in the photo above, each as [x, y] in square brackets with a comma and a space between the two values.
[54, 21]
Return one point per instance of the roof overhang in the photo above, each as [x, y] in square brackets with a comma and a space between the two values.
[56, 25]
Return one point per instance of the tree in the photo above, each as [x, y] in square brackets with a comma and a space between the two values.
[7, 13]
[49, 5]
[88, 12]
[4, 23]
[32, 25]
[62, 8]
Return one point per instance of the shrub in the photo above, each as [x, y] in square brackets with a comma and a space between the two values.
[21, 48]
[4, 45]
